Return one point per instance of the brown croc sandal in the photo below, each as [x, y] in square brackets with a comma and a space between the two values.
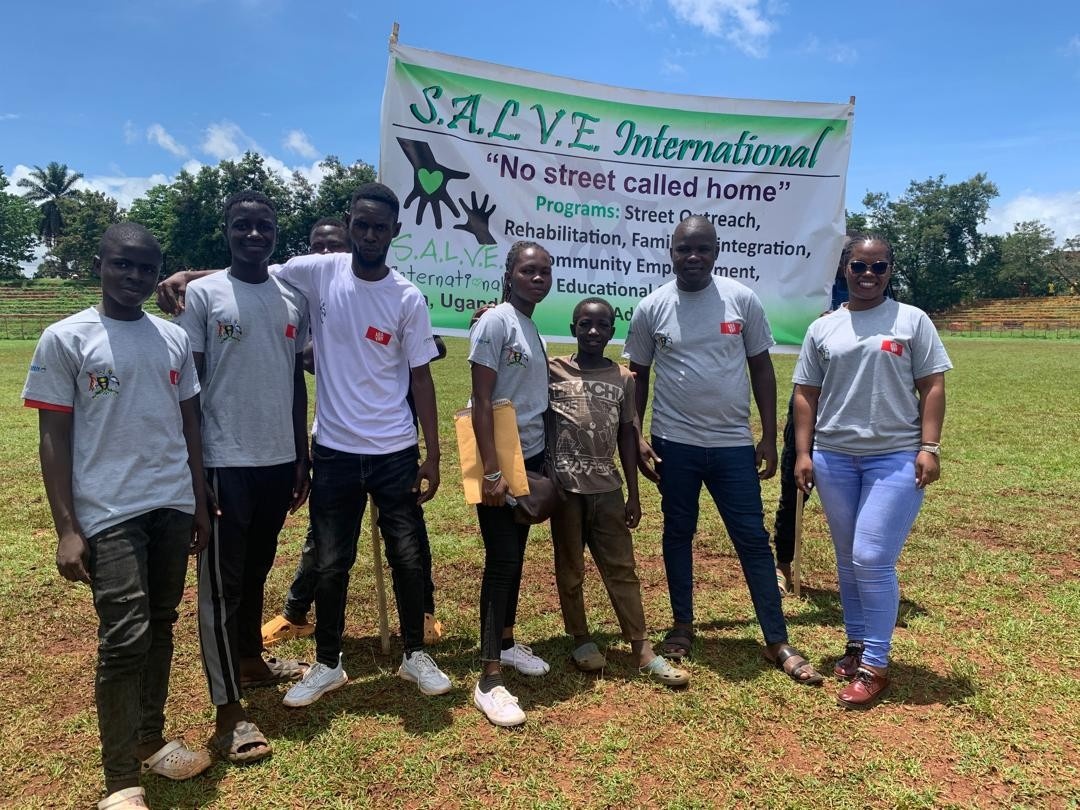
[588, 657]
[432, 630]
[795, 666]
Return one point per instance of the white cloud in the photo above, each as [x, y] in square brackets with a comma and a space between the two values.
[156, 134]
[131, 133]
[1072, 47]
[226, 141]
[17, 173]
[296, 140]
[10, 116]
[834, 51]
[743, 23]
[669, 68]
[124, 190]
[1060, 212]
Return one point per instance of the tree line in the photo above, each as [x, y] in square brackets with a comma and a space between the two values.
[942, 258]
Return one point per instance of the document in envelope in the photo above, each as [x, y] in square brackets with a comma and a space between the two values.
[507, 449]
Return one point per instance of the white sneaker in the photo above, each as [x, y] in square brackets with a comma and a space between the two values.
[317, 681]
[522, 659]
[500, 707]
[421, 670]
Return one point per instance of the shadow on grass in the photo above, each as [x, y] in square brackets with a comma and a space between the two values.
[912, 685]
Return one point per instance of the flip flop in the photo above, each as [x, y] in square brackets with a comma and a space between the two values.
[228, 745]
[281, 671]
[677, 644]
[782, 583]
[174, 760]
[799, 665]
[281, 629]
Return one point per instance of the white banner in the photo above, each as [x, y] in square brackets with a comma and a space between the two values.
[482, 156]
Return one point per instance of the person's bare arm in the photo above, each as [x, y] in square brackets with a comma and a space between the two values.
[200, 530]
[423, 391]
[931, 416]
[492, 493]
[301, 477]
[170, 291]
[54, 450]
[763, 384]
[647, 458]
[628, 457]
[805, 401]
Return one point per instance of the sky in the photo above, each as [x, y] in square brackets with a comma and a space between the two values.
[129, 92]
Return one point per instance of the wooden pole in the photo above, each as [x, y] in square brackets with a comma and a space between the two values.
[796, 562]
[380, 584]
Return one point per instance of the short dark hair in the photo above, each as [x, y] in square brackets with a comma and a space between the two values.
[127, 231]
[584, 302]
[329, 222]
[512, 255]
[376, 192]
[856, 238]
[245, 196]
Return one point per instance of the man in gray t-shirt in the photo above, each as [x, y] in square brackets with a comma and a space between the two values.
[701, 334]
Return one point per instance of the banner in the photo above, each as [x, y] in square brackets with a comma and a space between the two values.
[482, 156]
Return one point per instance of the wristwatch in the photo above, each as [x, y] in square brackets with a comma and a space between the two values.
[932, 449]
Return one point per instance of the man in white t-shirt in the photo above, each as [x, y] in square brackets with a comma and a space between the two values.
[373, 344]
[701, 333]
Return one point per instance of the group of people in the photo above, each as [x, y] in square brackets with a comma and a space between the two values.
[153, 447]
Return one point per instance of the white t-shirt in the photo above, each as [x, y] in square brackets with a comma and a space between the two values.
[367, 337]
[249, 335]
[866, 364]
[122, 382]
[697, 344]
[507, 341]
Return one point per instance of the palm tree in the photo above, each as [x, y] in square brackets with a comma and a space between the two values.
[47, 187]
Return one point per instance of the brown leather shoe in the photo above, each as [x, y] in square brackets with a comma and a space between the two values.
[865, 689]
[847, 666]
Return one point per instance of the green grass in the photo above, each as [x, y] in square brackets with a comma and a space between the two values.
[983, 711]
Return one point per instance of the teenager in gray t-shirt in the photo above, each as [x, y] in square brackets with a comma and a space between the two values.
[700, 335]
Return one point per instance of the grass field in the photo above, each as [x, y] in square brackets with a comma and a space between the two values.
[983, 712]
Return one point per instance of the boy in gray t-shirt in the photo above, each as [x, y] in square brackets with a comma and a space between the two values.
[121, 458]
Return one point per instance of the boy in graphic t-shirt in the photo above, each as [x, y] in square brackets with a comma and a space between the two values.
[593, 402]
[247, 331]
[121, 458]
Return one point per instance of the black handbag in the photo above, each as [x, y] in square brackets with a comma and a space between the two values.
[545, 493]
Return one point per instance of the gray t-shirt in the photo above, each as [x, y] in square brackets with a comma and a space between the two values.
[697, 343]
[122, 382]
[507, 341]
[249, 335]
[866, 364]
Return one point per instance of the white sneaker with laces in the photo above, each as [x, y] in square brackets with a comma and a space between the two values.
[522, 659]
[422, 670]
[317, 681]
[500, 707]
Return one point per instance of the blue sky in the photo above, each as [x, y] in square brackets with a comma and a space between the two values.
[130, 91]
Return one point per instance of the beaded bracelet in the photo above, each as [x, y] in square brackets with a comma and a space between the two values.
[495, 476]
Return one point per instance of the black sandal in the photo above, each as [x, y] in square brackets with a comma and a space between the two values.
[800, 666]
[677, 643]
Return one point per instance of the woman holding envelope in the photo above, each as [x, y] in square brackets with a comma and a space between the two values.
[508, 362]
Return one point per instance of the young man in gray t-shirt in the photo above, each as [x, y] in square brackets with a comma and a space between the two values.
[701, 334]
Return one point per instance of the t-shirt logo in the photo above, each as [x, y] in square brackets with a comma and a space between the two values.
[516, 358]
[893, 347]
[823, 353]
[730, 328]
[663, 341]
[103, 383]
[228, 330]
[378, 335]
[290, 330]
[322, 312]
[37, 369]
[174, 376]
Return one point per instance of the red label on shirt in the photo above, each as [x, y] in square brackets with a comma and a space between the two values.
[893, 346]
[290, 330]
[378, 335]
[174, 376]
[730, 328]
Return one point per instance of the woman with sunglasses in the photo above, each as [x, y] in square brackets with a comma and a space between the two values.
[869, 405]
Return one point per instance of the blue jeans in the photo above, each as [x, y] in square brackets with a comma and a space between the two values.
[137, 571]
[871, 503]
[340, 486]
[730, 475]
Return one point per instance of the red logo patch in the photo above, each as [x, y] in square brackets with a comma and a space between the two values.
[730, 328]
[378, 335]
[290, 330]
[174, 376]
[893, 347]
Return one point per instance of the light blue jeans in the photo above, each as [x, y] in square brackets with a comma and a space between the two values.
[870, 504]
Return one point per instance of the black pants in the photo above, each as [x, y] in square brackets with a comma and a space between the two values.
[504, 556]
[233, 569]
[784, 525]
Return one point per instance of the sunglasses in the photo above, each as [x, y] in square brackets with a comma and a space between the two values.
[877, 268]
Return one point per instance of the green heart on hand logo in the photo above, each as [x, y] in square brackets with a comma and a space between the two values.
[430, 181]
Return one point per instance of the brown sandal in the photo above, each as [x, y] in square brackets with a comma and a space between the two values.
[798, 667]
